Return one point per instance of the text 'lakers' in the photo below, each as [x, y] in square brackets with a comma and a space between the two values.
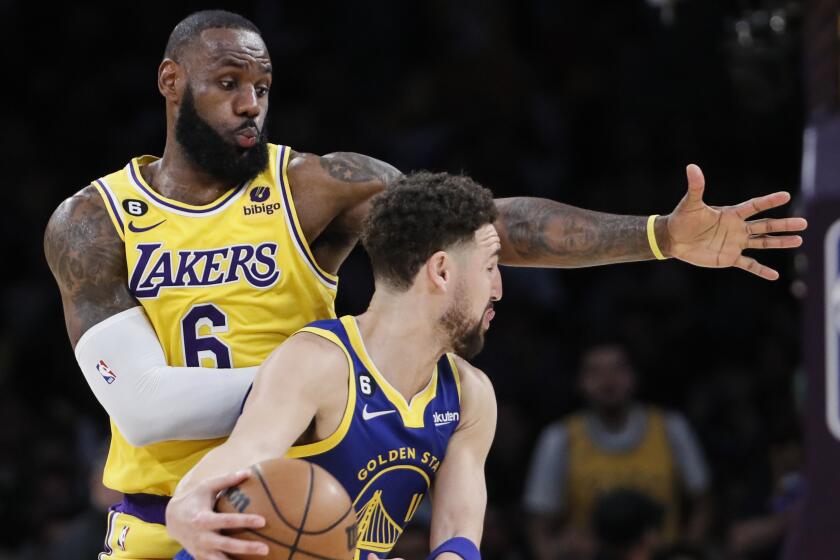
[157, 269]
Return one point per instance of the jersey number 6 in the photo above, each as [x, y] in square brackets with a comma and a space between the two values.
[198, 346]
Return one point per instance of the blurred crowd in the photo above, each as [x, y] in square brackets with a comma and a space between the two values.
[646, 410]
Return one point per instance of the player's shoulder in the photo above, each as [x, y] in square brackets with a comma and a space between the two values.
[476, 387]
[322, 359]
[470, 375]
[82, 221]
[81, 205]
[307, 166]
[341, 167]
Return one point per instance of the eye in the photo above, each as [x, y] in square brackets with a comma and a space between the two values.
[262, 91]
[227, 84]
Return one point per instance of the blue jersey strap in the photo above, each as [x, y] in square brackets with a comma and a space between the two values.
[461, 546]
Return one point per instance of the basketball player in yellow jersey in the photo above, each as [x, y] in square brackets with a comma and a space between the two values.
[179, 274]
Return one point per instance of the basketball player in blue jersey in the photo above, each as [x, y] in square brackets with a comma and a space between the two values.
[385, 401]
[208, 257]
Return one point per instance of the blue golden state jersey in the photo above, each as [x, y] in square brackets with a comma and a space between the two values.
[385, 451]
[223, 285]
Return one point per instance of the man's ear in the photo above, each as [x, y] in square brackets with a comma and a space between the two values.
[171, 80]
[438, 270]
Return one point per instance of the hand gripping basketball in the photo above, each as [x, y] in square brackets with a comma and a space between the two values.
[308, 514]
[191, 521]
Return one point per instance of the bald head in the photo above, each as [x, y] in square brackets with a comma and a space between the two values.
[191, 27]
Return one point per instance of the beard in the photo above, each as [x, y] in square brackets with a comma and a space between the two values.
[217, 157]
[466, 334]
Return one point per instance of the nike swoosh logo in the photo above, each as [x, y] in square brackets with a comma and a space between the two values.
[137, 229]
[368, 415]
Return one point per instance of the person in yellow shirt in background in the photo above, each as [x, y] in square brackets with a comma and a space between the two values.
[615, 443]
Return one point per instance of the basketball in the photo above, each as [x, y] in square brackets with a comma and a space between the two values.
[307, 512]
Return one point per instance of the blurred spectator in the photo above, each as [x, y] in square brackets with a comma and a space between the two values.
[627, 525]
[759, 537]
[82, 536]
[616, 442]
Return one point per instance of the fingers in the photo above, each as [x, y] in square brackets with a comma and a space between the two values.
[782, 225]
[224, 482]
[761, 203]
[696, 184]
[753, 266]
[238, 546]
[213, 521]
[774, 242]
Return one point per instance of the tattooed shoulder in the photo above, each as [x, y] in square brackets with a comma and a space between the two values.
[87, 259]
[350, 167]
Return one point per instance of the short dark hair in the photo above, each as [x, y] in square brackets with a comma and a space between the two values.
[190, 28]
[418, 215]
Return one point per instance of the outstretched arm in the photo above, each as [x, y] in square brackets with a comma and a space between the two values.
[540, 232]
[337, 189]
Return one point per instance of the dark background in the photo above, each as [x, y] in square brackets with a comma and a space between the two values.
[596, 104]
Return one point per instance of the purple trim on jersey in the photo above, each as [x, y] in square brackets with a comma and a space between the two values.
[148, 507]
[154, 196]
[113, 204]
[289, 214]
[108, 550]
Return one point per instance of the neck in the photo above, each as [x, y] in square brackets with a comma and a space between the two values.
[175, 176]
[405, 352]
[614, 418]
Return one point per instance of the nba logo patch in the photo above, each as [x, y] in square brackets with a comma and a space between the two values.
[123, 535]
[107, 373]
[260, 194]
[832, 327]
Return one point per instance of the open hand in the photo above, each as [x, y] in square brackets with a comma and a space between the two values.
[716, 236]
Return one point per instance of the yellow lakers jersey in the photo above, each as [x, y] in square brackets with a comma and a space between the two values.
[648, 468]
[223, 285]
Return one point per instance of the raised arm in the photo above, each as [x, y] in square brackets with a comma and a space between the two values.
[147, 399]
[336, 190]
[460, 492]
[540, 232]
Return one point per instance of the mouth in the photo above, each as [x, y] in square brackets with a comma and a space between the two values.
[488, 316]
[247, 137]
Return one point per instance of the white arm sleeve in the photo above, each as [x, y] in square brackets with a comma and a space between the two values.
[149, 401]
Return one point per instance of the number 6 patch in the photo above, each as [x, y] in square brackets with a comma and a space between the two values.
[135, 207]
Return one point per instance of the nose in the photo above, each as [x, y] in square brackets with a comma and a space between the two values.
[496, 286]
[246, 103]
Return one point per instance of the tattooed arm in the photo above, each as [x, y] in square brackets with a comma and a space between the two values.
[332, 195]
[87, 259]
[540, 232]
[149, 400]
[545, 233]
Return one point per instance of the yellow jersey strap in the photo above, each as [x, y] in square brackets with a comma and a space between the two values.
[111, 205]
